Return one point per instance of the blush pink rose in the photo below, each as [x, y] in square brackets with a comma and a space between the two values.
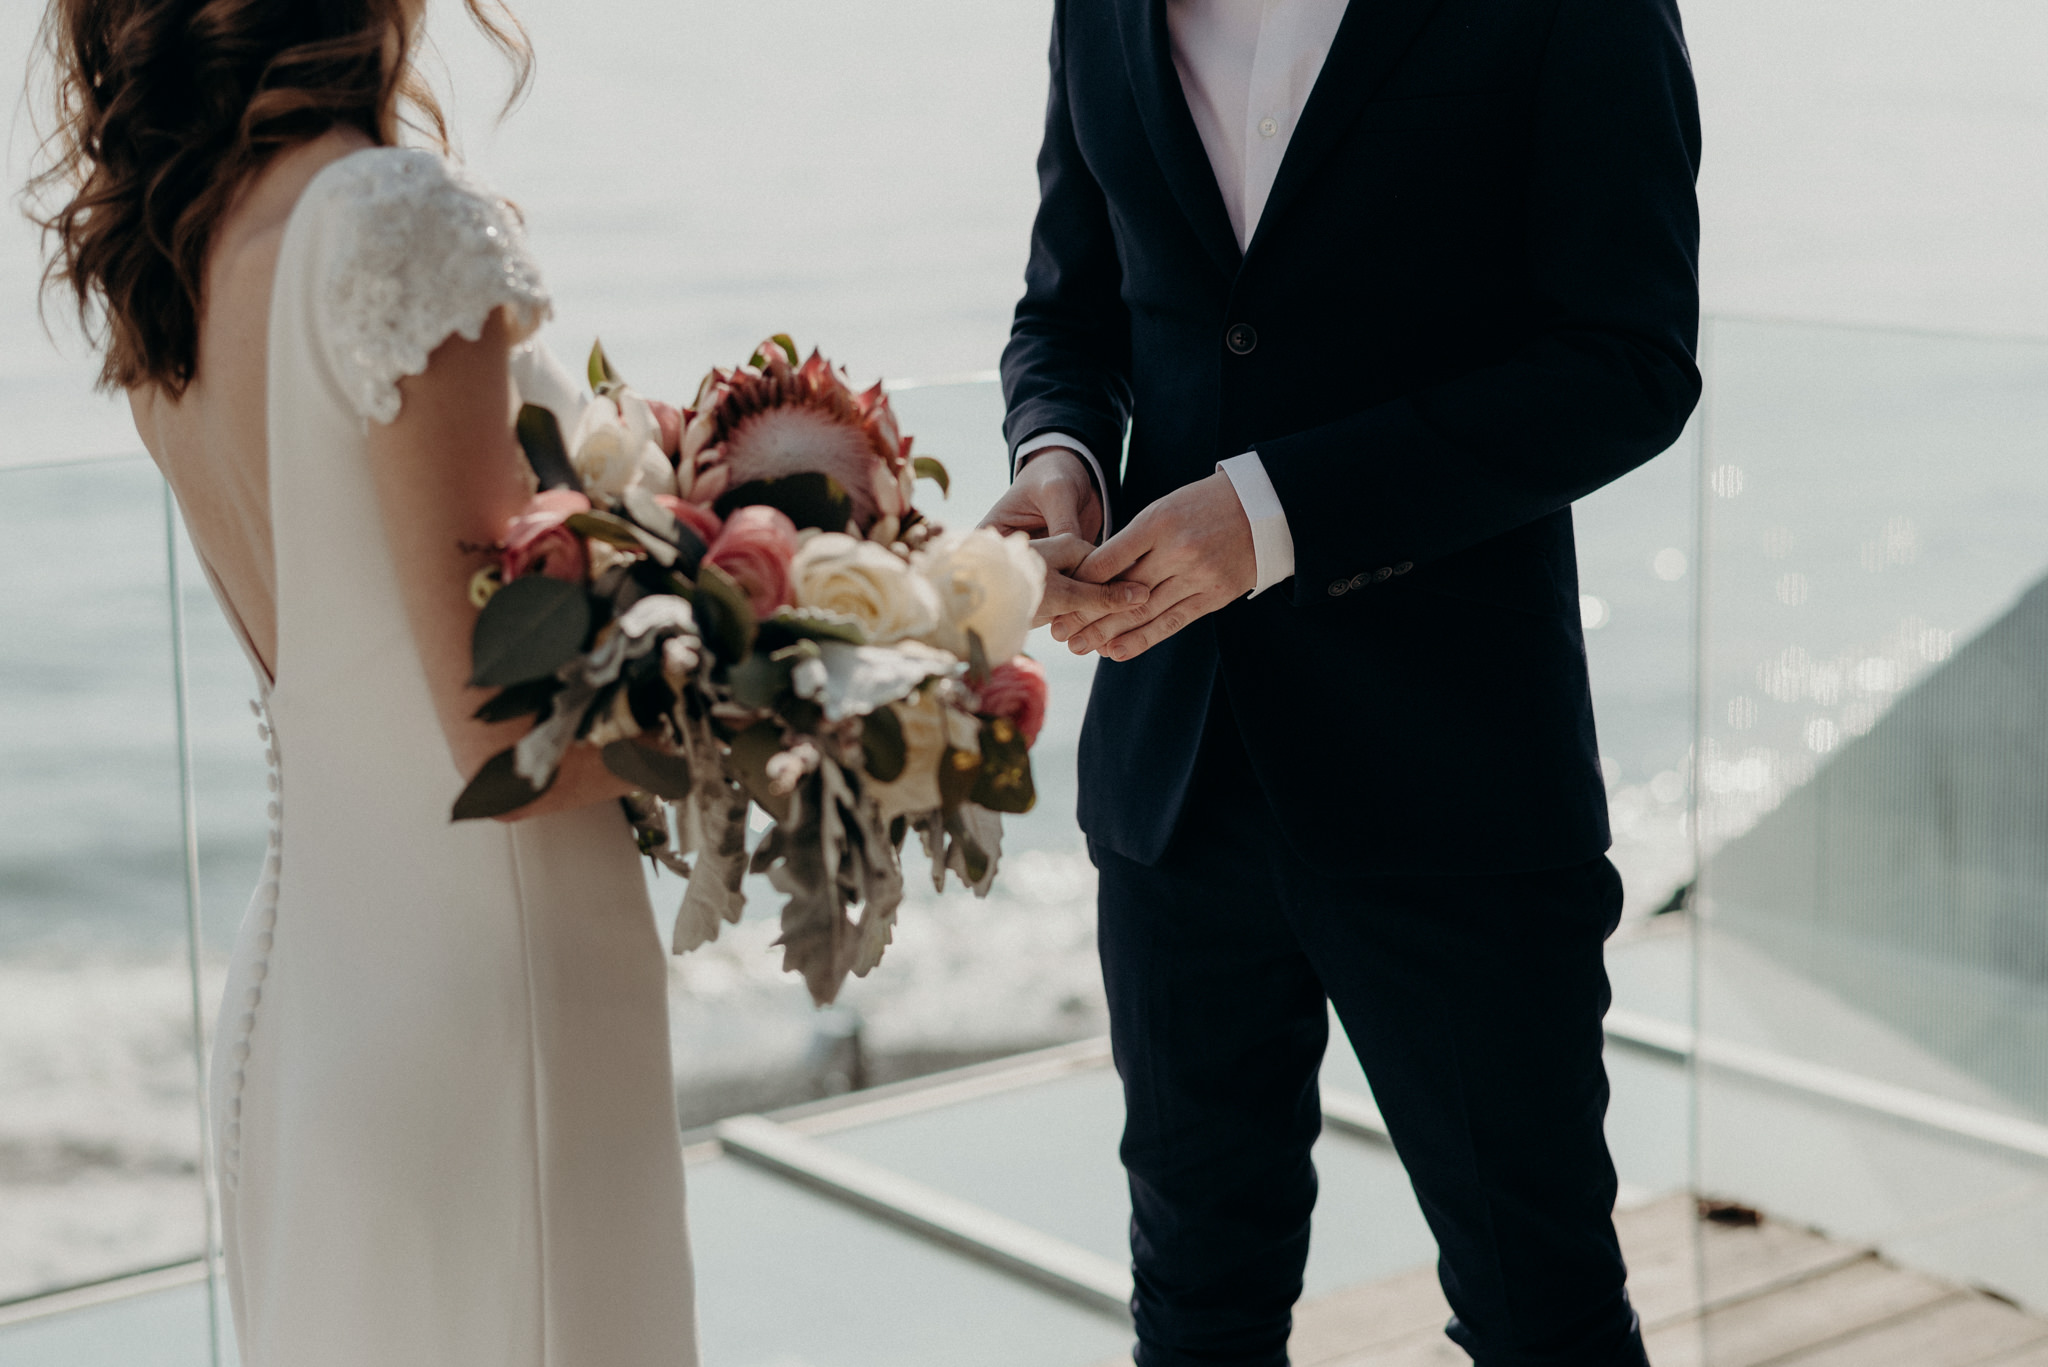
[695, 516]
[1017, 690]
[669, 419]
[755, 549]
[537, 542]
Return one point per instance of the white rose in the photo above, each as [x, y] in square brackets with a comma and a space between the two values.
[838, 573]
[617, 444]
[922, 718]
[987, 583]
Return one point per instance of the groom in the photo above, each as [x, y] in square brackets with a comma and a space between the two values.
[1375, 291]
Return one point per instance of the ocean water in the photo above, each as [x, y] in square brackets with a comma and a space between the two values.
[695, 176]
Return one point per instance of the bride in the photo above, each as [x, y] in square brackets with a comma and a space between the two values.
[442, 1101]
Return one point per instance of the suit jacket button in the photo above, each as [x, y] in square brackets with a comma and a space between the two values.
[1340, 588]
[1241, 338]
[1359, 581]
[1404, 567]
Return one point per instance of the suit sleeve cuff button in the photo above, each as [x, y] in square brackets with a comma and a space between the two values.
[1340, 588]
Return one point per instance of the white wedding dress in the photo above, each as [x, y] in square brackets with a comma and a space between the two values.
[443, 1106]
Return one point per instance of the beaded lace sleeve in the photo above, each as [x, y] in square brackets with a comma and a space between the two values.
[417, 252]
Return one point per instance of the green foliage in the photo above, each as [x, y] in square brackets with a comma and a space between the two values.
[496, 790]
[651, 770]
[725, 616]
[529, 699]
[617, 531]
[529, 629]
[881, 741]
[1003, 783]
[603, 378]
[759, 680]
[977, 659]
[808, 624]
[928, 468]
[540, 437]
[781, 340]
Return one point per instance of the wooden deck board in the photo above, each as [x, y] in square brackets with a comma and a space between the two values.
[1967, 1330]
[1777, 1296]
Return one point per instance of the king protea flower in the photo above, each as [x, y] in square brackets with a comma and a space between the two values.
[774, 419]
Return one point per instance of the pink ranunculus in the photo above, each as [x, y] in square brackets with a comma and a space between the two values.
[1017, 689]
[755, 549]
[537, 542]
[698, 518]
[669, 419]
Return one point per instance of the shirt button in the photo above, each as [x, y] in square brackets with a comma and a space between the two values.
[1268, 127]
[1242, 338]
[1340, 588]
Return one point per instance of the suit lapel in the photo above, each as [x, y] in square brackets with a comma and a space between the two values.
[1163, 106]
[1371, 41]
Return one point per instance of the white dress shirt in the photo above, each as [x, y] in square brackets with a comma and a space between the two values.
[1246, 68]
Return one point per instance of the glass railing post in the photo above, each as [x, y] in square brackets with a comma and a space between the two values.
[189, 832]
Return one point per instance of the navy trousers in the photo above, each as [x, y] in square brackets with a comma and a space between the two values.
[1475, 1006]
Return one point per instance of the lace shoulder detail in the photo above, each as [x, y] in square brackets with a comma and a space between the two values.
[417, 251]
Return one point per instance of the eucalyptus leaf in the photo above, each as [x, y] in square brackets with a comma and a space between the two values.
[527, 699]
[758, 680]
[928, 468]
[810, 499]
[540, 437]
[1003, 783]
[529, 629]
[648, 769]
[617, 531]
[881, 741]
[725, 616]
[959, 771]
[815, 624]
[496, 790]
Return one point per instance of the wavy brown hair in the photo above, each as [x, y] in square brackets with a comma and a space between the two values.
[160, 112]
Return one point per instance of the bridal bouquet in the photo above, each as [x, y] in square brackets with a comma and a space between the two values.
[738, 605]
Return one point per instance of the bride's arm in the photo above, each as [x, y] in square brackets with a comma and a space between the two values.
[449, 474]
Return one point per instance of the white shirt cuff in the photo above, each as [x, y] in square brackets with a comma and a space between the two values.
[1272, 542]
[1045, 440]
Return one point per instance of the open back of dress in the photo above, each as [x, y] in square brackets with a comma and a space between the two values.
[442, 1092]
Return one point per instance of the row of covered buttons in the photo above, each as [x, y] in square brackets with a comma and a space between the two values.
[1358, 581]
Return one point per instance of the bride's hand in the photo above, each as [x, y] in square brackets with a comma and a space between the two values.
[1065, 594]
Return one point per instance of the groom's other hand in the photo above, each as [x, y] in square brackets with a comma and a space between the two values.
[1054, 501]
[1192, 549]
[1051, 496]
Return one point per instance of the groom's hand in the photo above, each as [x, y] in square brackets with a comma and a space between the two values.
[1054, 501]
[1191, 549]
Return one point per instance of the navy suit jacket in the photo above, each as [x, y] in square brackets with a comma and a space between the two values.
[1471, 299]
